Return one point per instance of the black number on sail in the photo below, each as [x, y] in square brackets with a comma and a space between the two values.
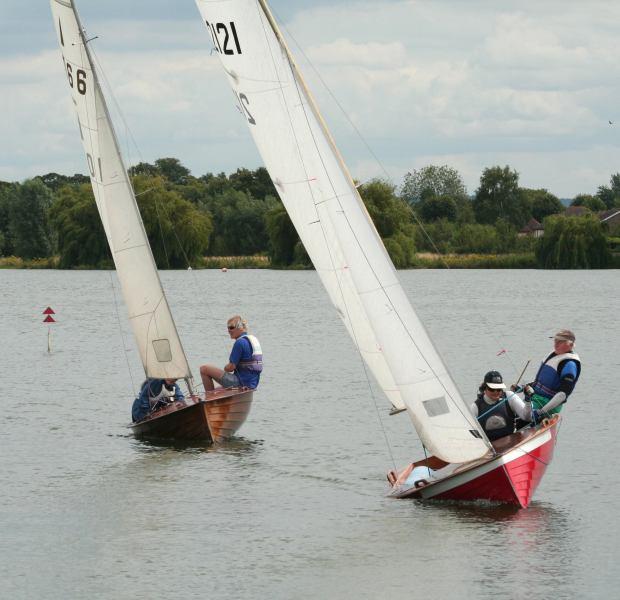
[70, 74]
[221, 29]
[91, 165]
[243, 107]
[81, 81]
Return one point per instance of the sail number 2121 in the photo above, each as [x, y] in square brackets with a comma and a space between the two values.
[223, 39]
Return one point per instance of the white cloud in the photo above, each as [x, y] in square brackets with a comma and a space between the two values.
[477, 83]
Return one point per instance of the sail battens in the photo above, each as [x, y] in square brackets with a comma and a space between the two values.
[116, 203]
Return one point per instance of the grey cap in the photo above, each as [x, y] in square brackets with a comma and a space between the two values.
[564, 335]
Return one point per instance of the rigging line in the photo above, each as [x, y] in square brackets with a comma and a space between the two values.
[110, 93]
[321, 224]
[120, 328]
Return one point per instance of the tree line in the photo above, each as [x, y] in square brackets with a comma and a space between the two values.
[240, 214]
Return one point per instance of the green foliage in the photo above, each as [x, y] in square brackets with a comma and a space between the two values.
[256, 183]
[542, 203]
[393, 220]
[54, 181]
[432, 181]
[8, 192]
[467, 238]
[28, 219]
[283, 238]
[434, 208]
[178, 232]
[239, 223]
[81, 239]
[594, 203]
[573, 243]
[499, 196]
[610, 196]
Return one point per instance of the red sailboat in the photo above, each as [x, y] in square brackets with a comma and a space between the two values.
[510, 473]
[338, 234]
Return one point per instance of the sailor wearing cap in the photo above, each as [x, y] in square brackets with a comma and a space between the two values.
[557, 376]
[496, 409]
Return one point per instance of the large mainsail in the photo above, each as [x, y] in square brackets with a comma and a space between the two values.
[335, 228]
[153, 327]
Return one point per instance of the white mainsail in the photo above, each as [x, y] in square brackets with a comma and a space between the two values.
[153, 327]
[335, 228]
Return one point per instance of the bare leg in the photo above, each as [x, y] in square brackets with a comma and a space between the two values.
[207, 373]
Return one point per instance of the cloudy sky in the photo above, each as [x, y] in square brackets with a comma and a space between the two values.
[468, 83]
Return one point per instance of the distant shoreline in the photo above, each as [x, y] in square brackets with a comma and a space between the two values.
[424, 260]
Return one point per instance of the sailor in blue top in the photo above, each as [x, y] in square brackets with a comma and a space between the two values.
[245, 363]
[153, 394]
[556, 377]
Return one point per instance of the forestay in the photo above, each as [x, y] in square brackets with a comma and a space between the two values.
[153, 327]
[335, 227]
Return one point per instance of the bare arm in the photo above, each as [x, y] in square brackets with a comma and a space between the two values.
[230, 367]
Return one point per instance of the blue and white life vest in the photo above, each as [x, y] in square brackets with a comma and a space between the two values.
[496, 419]
[547, 382]
[255, 363]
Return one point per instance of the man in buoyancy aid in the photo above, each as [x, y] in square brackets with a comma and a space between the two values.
[496, 409]
[155, 393]
[245, 363]
[556, 377]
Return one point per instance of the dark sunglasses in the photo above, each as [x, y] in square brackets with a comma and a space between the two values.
[231, 327]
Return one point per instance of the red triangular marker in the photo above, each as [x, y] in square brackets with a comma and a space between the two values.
[48, 311]
[49, 319]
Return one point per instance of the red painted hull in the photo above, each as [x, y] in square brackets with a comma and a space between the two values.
[215, 418]
[509, 476]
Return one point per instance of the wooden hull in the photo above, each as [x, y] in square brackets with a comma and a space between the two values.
[215, 418]
[509, 476]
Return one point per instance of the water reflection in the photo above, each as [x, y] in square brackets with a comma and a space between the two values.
[238, 446]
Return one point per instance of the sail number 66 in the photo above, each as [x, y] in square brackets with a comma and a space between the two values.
[80, 78]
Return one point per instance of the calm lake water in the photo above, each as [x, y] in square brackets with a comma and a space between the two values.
[295, 507]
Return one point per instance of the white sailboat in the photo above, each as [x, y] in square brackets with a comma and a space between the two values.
[344, 246]
[219, 414]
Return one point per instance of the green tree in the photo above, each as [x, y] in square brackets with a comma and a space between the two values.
[173, 170]
[256, 183]
[434, 208]
[594, 203]
[610, 195]
[178, 231]
[239, 223]
[499, 196]
[7, 196]
[54, 181]
[81, 239]
[393, 220]
[542, 203]
[29, 223]
[283, 238]
[430, 181]
[573, 243]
